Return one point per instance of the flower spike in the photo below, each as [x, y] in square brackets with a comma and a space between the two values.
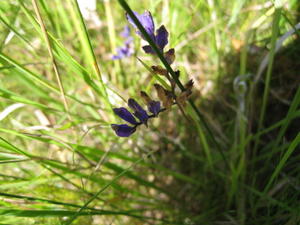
[167, 97]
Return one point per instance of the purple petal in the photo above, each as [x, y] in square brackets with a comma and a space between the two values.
[123, 130]
[147, 22]
[154, 107]
[115, 57]
[126, 32]
[128, 40]
[148, 49]
[120, 54]
[161, 37]
[123, 52]
[139, 112]
[125, 115]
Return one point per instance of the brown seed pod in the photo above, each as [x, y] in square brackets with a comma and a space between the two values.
[145, 97]
[189, 85]
[164, 95]
[159, 70]
[170, 55]
[160, 92]
[183, 97]
[169, 100]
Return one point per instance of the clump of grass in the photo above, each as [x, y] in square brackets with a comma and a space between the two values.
[233, 161]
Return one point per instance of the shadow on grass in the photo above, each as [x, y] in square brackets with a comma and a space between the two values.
[207, 200]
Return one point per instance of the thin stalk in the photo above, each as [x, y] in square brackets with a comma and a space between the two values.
[49, 201]
[54, 63]
[172, 73]
[241, 134]
[292, 147]
[110, 26]
[86, 42]
[275, 31]
[111, 35]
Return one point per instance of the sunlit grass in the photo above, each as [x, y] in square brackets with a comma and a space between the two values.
[230, 157]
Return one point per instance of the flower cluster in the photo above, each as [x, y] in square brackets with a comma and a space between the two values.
[123, 130]
[126, 50]
[166, 95]
[160, 38]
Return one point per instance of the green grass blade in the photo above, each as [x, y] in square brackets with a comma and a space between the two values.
[295, 143]
[275, 31]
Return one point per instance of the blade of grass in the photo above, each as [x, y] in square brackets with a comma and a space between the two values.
[63, 55]
[104, 188]
[87, 46]
[16, 98]
[95, 153]
[92, 156]
[33, 76]
[63, 213]
[275, 31]
[295, 143]
[288, 118]
[49, 201]
[54, 63]
[13, 29]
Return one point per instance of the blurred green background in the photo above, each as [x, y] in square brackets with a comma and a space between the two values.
[61, 163]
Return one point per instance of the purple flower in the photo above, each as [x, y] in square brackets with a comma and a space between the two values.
[125, 115]
[161, 40]
[147, 22]
[126, 50]
[161, 36]
[123, 130]
[126, 32]
[154, 107]
[139, 112]
[123, 52]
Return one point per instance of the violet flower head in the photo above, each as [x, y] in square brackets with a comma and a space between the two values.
[126, 32]
[126, 50]
[160, 38]
[139, 112]
[123, 130]
[125, 115]
[123, 52]
[154, 107]
[147, 22]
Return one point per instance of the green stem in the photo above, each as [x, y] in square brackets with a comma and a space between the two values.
[275, 31]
